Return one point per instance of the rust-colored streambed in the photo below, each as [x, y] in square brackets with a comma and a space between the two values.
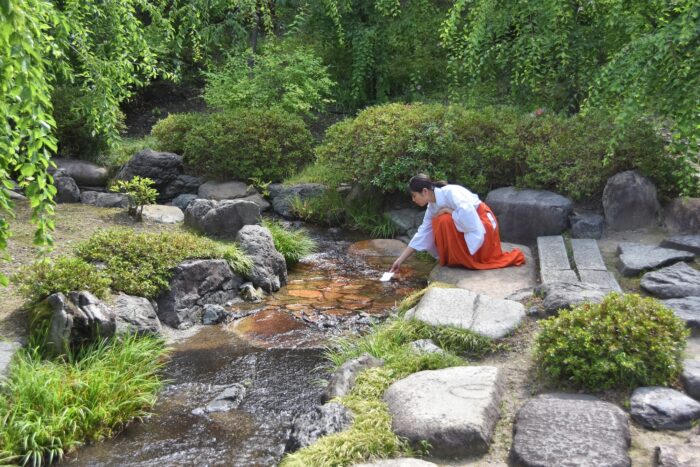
[274, 351]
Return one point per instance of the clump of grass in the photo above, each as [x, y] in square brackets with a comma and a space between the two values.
[48, 408]
[368, 218]
[293, 244]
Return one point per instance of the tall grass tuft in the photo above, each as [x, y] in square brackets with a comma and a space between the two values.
[48, 408]
[293, 244]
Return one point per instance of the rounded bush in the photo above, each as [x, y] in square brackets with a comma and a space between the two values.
[625, 341]
[171, 131]
[248, 143]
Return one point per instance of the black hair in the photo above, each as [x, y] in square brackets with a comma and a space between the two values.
[420, 181]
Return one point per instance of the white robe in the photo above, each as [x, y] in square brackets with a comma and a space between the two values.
[463, 204]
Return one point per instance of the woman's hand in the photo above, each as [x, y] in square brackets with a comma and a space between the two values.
[396, 266]
[444, 211]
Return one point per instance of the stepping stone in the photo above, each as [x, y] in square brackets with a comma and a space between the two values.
[635, 258]
[662, 408]
[401, 462]
[548, 276]
[558, 295]
[683, 242]
[587, 255]
[677, 281]
[604, 279]
[454, 409]
[570, 430]
[160, 214]
[490, 317]
[679, 455]
[687, 309]
[497, 283]
[554, 261]
[7, 351]
[691, 378]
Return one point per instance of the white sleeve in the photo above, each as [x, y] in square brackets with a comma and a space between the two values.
[424, 240]
[467, 219]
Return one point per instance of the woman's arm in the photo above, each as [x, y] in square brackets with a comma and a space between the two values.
[405, 254]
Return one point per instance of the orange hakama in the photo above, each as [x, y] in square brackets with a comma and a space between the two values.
[453, 250]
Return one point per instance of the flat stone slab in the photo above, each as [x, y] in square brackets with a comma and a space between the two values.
[691, 378]
[454, 409]
[552, 252]
[678, 455]
[587, 255]
[662, 408]
[687, 309]
[488, 316]
[677, 281]
[7, 351]
[547, 276]
[636, 257]
[570, 430]
[602, 278]
[160, 214]
[401, 462]
[683, 242]
[497, 283]
[559, 295]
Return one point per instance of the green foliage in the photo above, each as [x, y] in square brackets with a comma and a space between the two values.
[261, 186]
[141, 263]
[170, 132]
[249, 143]
[115, 157]
[293, 244]
[49, 408]
[140, 192]
[366, 217]
[328, 208]
[294, 80]
[626, 341]
[63, 274]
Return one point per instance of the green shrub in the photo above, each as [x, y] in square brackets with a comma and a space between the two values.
[114, 158]
[63, 274]
[248, 143]
[48, 408]
[292, 244]
[170, 132]
[141, 263]
[140, 192]
[626, 341]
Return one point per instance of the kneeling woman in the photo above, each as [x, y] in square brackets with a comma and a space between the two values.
[457, 228]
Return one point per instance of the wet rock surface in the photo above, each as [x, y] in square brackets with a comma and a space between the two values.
[322, 421]
[662, 408]
[230, 398]
[269, 270]
[636, 258]
[677, 281]
[570, 430]
[343, 378]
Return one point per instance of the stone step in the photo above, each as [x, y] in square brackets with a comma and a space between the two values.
[602, 278]
[554, 261]
[587, 255]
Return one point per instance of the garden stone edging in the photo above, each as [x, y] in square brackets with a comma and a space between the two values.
[661, 408]
[269, 270]
[629, 201]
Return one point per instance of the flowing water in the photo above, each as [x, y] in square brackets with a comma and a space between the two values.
[273, 350]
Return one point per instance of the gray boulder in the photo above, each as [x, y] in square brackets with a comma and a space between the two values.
[682, 215]
[75, 320]
[183, 201]
[454, 409]
[84, 173]
[662, 408]
[225, 190]
[282, 197]
[250, 293]
[104, 200]
[343, 379]
[196, 283]
[406, 220]
[560, 295]
[687, 309]
[679, 455]
[134, 315]
[629, 201]
[161, 214]
[426, 346]
[570, 430]
[259, 200]
[229, 399]
[691, 378]
[12, 194]
[183, 184]
[587, 225]
[677, 281]
[161, 167]
[635, 257]
[269, 267]
[683, 242]
[67, 190]
[213, 314]
[524, 215]
[221, 218]
[322, 421]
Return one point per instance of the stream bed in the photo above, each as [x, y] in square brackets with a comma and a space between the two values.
[274, 350]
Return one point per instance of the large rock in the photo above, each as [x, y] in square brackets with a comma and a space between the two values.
[194, 284]
[677, 281]
[12, 194]
[75, 320]
[661, 408]
[490, 317]
[134, 315]
[183, 184]
[67, 190]
[629, 201]
[258, 199]
[560, 295]
[687, 309]
[343, 379]
[161, 167]
[691, 378]
[682, 215]
[679, 455]
[183, 201]
[225, 190]
[636, 258]
[524, 215]
[160, 214]
[282, 197]
[84, 173]
[496, 283]
[322, 421]
[104, 200]
[221, 218]
[269, 267]
[406, 220]
[683, 242]
[570, 430]
[587, 225]
[454, 409]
